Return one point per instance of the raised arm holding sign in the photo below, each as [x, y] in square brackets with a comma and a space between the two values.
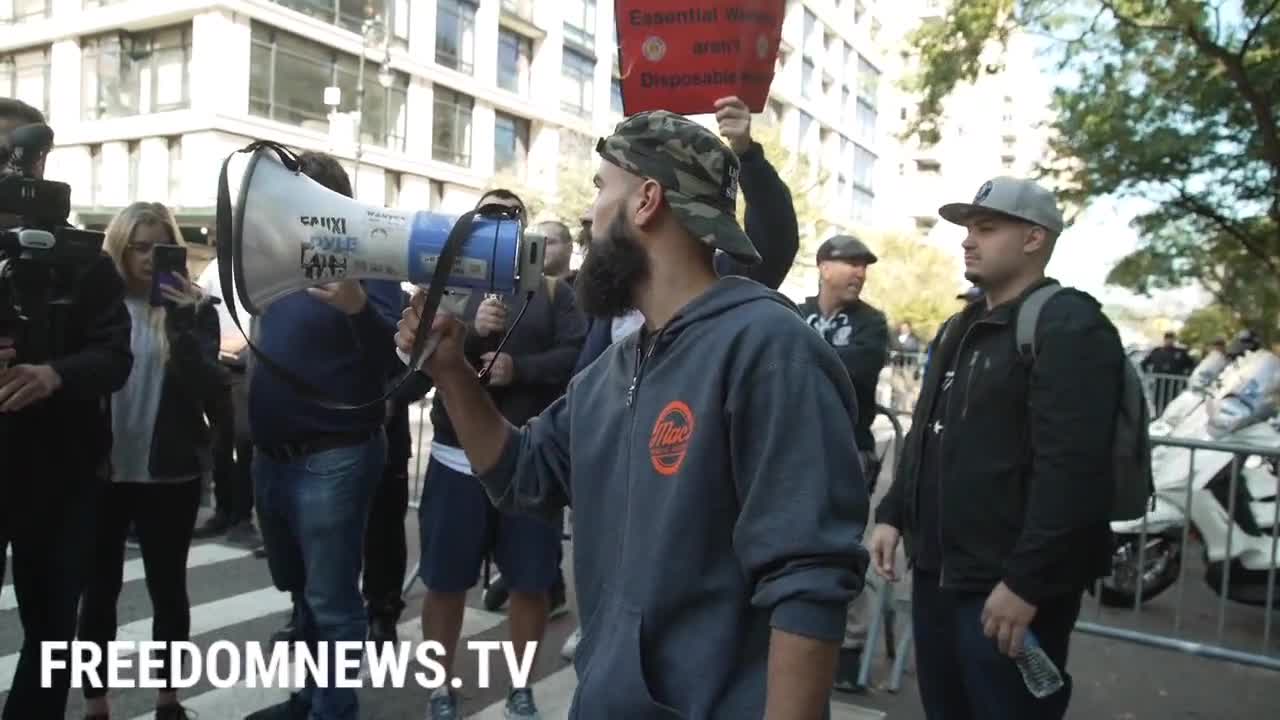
[682, 56]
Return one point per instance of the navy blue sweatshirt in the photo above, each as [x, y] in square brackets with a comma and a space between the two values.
[711, 505]
[346, 357]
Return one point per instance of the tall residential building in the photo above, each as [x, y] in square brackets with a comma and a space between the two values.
[147, 99]
[993, 126]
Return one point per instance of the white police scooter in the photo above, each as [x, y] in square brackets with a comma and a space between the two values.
[1239, 407]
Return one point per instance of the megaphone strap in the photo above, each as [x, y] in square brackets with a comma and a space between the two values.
[231, 273]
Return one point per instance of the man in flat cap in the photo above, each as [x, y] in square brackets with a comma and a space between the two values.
[1004, 491]
[718, 504]
[859, 334]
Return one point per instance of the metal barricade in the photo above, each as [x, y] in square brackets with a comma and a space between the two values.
[1232, 499]
[885, 617]
[1227, 502]
[1162, 389]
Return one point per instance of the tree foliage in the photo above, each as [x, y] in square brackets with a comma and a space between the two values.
[913, 282]
[1207, 324]
[1172, 101]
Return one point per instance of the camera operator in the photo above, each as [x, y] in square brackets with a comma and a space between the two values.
[55, 415]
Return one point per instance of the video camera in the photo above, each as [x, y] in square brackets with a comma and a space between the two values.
[41, 255]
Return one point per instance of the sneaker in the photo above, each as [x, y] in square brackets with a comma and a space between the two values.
[442, 707]
[559, 603]
[216, 525]
[571, 645]
[495, 596]
[520, 705]
[173, 712]
[244, 534]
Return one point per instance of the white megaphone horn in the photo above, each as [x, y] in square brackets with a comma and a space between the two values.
[289, 233]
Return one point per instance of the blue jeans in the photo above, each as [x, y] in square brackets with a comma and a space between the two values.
[313, 513]
[961, 672]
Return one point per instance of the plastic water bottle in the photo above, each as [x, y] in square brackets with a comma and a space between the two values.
[1038, 671]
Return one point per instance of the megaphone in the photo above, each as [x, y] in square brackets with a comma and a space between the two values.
[289, 233]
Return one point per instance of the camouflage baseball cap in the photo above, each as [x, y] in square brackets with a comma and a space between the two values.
[697, 170]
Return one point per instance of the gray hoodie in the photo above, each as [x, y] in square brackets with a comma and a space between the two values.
[716, 493]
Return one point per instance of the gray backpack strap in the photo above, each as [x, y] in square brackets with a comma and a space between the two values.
[1029, 318]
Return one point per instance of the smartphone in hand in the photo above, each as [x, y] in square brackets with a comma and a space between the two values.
[168, 262]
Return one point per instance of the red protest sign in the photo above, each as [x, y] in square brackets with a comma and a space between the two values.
[683, 55]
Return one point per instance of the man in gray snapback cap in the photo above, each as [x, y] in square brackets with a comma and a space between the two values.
[1004, 490]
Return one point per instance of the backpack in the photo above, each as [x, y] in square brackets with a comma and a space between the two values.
[1131, 444]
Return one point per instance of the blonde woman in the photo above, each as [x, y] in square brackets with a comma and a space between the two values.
[159, 449]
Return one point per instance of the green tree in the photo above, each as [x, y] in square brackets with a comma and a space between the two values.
[912, 282]
[1207, 324]
[1172, 101]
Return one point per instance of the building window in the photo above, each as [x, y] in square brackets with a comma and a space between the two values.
[864, 167]
[577, 84]
[24, 10]
[25, 75]
[451, 131]
[514, 54]
[863, 200]
[806, 122]
[351, 14]
[865, 121]
[127, 74]
[580, 23]
[510, 144]
[288, 76]
[810, 28]
[391, 192]
[456, 34]
[806, 78]
[868, 82]
[615, 96]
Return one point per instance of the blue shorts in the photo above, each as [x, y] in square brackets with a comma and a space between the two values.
[459, 527]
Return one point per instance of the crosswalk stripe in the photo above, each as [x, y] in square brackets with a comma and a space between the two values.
[205, 618]
[203, 554]
[241, 700]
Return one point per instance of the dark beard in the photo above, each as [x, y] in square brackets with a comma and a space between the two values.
[610, 273]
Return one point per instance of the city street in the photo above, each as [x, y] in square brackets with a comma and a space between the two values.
[233, 600]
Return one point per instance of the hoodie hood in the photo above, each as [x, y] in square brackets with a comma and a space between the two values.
[727, 294]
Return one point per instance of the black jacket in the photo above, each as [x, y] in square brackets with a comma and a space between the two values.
[68, 434]
[180, 441]
[863, 349]
[543, 348]
[1025, 457]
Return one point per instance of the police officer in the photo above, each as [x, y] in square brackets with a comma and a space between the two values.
[860, 335]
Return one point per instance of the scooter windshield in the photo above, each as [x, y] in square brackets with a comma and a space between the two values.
[1251, 399]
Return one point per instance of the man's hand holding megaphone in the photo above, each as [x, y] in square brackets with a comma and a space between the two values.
[448, 358]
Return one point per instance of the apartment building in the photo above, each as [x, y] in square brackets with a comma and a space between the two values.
[993, 126]
[147, 99]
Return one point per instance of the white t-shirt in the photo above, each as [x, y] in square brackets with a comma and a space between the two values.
[624, 325]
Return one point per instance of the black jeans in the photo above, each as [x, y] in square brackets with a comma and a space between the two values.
[232, 450]
[49, 533]
[385, 551]
[164, 515]
[961, 672]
